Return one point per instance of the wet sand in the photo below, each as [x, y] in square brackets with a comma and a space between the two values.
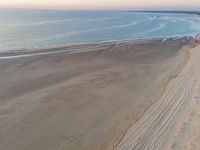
[84, 97]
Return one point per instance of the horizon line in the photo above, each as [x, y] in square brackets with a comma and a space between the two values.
[117, 9]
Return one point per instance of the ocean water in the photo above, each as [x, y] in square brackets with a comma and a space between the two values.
[24, 28]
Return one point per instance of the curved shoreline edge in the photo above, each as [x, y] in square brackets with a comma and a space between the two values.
[186, 12]
[77, 48]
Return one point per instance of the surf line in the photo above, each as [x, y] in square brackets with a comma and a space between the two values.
[30, 55]
[54, 52]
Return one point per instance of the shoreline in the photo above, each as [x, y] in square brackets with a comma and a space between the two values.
[31, 49]
[79, 47]
[85, 44]
[186, 12]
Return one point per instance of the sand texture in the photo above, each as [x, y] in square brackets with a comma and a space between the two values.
[173, 122]
[95, 96]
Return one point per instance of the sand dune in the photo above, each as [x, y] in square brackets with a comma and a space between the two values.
[172, 122]
[88, 98]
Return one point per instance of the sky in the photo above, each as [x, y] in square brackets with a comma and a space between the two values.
[102, 4]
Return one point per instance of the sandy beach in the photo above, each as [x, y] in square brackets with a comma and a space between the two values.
[114, 95]
[172, 123]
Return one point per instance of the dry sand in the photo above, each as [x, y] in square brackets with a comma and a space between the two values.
[57, 99]
[173, 122]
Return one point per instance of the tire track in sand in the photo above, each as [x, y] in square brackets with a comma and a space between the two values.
[157, 125]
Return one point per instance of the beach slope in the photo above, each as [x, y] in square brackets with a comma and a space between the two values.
[172, 123]
[87, 96]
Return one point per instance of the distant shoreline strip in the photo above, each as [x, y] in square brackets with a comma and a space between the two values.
[168, 11]
[98, 46]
